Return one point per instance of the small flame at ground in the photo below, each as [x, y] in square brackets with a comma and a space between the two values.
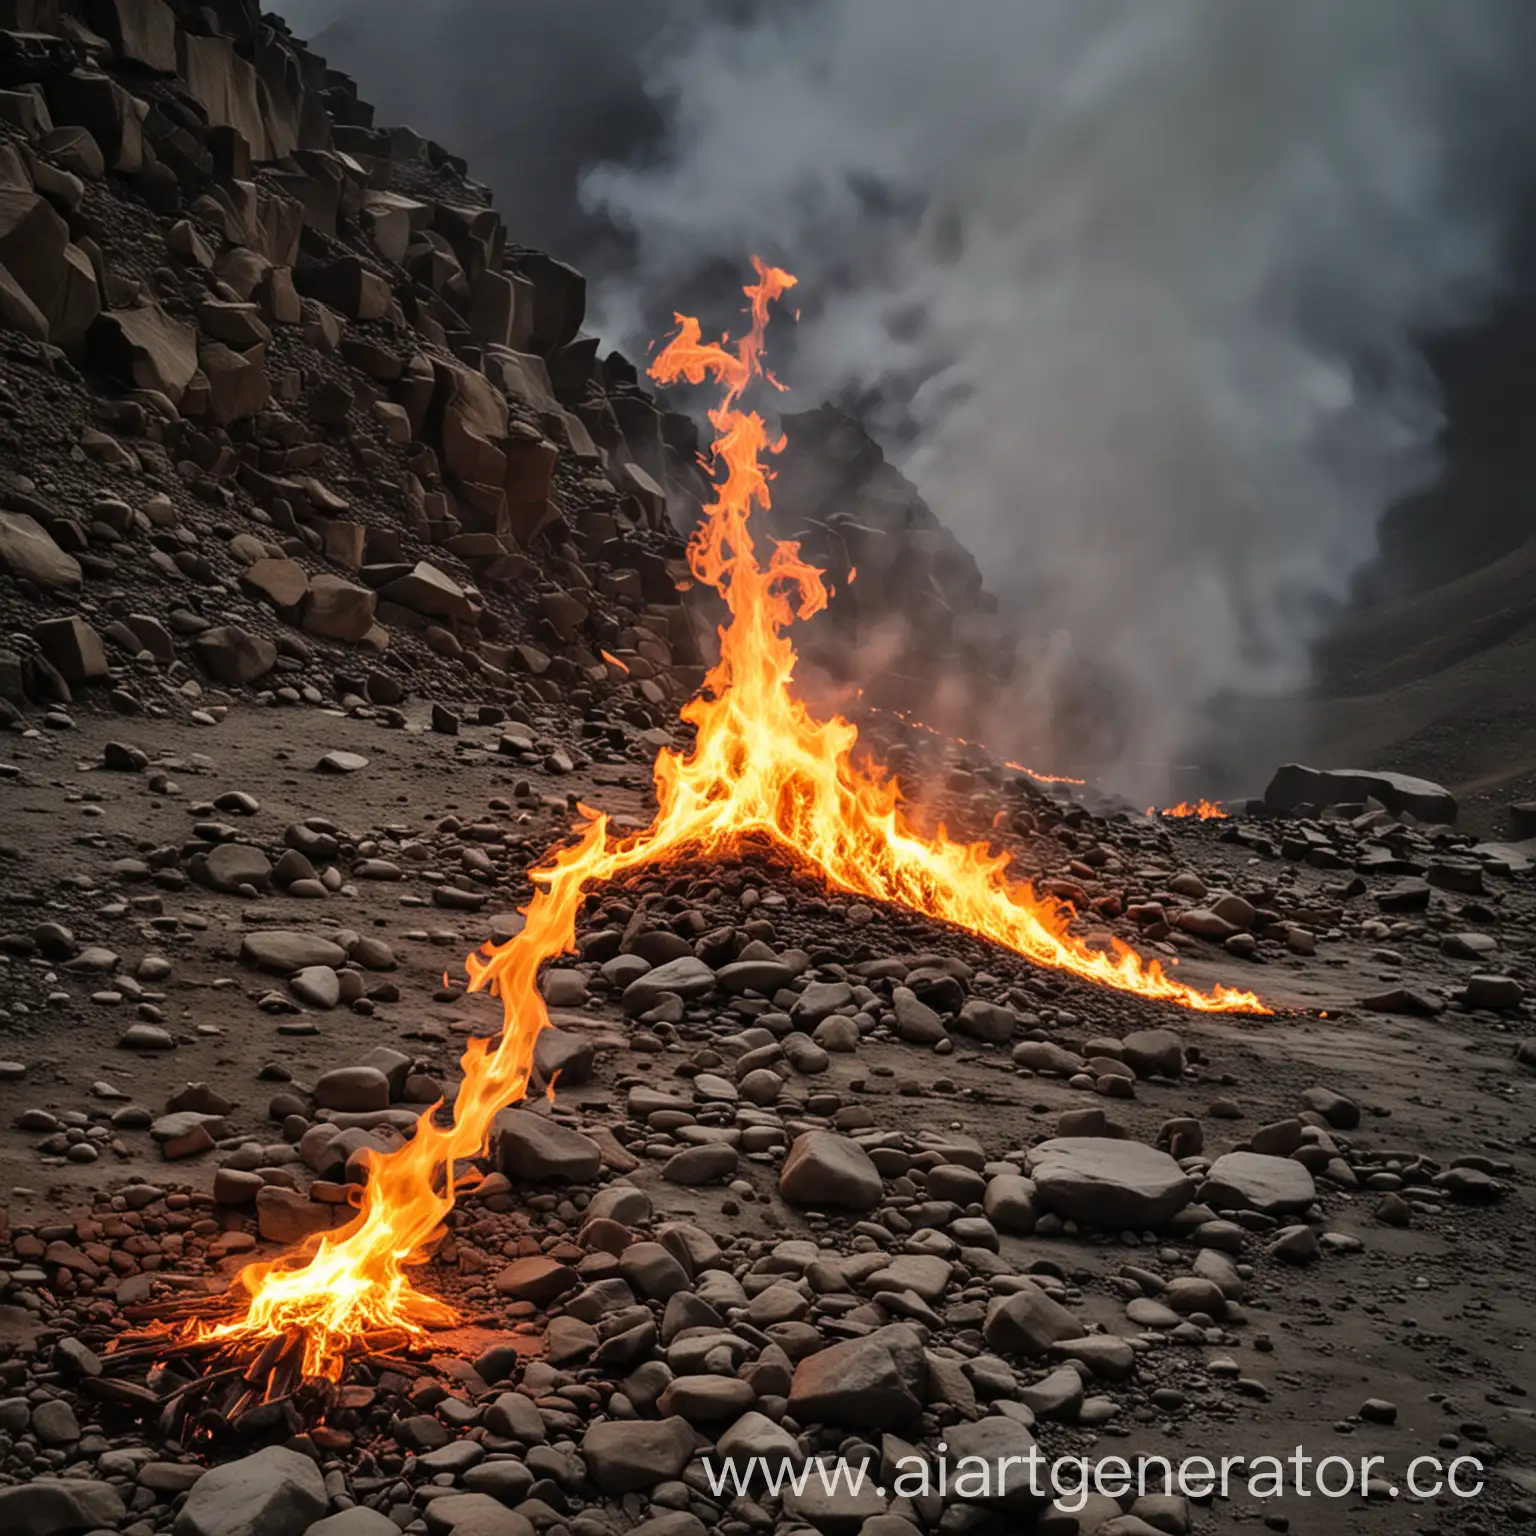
[1206, 810]
[762, 765]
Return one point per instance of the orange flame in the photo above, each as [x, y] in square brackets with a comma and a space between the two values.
[1206, 810]
[613, 661]
[760, 764]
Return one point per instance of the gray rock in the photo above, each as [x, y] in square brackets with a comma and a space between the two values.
[1010, 1203]
[1027, 1323]
[276, 1492]
[1251, 1181]
[474, 1514]
[626, 1456]
[825, 1169]
[354, 1090]
[991, 1022]
[525, 1145]
[819, 999]
[765, 976]
[54, 1423]
[277, 949]
[317, 985]
[28, 550]
[1295, 785]
[916, 1022]
[1149, 1051]
[687, 977]
[360, 1521]
[1004, 1445]
[49, 1506]
[536, 1279]
[231, 865]
[1107, 1182]
[516, 1417]
[873, 1382]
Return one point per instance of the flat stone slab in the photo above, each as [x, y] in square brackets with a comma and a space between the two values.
[1254, 1181]
[1107, 1182]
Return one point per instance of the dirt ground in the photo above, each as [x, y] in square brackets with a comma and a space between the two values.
[1435, 1317]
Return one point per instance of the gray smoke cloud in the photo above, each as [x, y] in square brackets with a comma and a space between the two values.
[1135, 292]
[1139, 286]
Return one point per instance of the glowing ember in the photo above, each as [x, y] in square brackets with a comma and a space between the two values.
[761, 764]
[1206, 810]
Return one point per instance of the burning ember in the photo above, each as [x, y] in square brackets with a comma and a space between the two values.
[761, 765]
[1206, 810]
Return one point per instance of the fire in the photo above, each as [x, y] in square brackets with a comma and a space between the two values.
[761, 764]
[1206, 810]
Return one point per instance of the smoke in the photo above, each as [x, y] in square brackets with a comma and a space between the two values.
[1140, 287]
[1135, 292]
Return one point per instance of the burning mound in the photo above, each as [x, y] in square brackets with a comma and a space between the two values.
[761, 766]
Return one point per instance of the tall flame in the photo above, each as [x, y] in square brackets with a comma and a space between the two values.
[761, 764]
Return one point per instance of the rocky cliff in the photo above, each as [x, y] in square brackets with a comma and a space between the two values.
[283, 405]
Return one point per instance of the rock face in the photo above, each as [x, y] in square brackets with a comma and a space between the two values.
[1295, 785]
[342, 356]
[276, 1492]
[1108, 1183]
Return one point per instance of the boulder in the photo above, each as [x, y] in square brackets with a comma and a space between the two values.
[525, 1145]
[626, 1456]
[277, 949]
[1295, 784]
[33, 239]
[52, 1506]
[473, 421]
[874, 1382]
[141, 32]
[348, 286]
[86, 98]
[76, 301]
[73, 648]
[238, 386]
[228, 89]
[1027, 1323]
[427, 590]
[283, 583]
[824, 1169]
[1004, 1446]
[275, 1492]
[146, 348]
[1107, 1182]
[28, 552]
[991, 1022]
[231, 865]
[1010, 1203]
[687, 977]
[1254, 1181]
[18, 312]
[339, 610]
[233, 656]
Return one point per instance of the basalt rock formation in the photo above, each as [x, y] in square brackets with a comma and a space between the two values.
[283, 406]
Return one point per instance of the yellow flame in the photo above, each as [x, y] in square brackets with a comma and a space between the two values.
[1205, 810]
[760, 764]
